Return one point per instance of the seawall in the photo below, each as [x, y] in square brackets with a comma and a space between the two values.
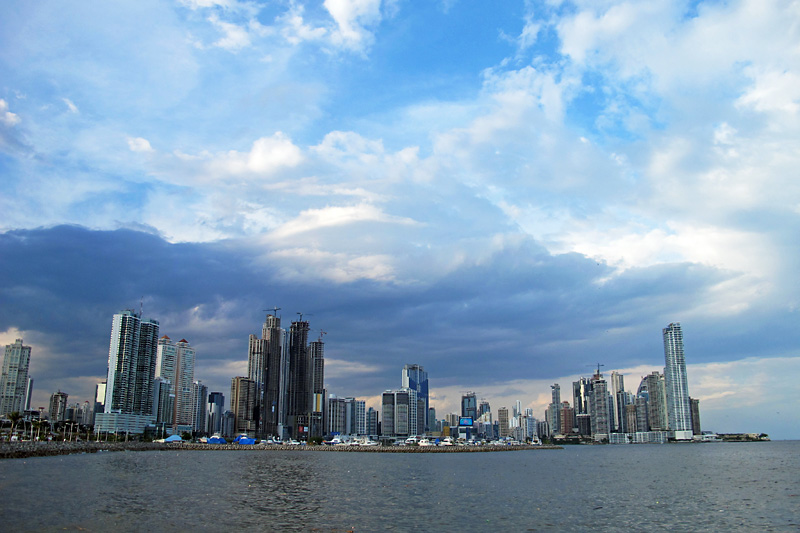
[25, 449]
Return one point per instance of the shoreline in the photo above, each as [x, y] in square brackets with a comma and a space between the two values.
[27, 449]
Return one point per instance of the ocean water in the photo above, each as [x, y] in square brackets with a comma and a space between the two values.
[691, 487]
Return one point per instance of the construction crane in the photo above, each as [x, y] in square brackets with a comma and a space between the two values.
[321, 333]
[274, 310]
[301, 315]
[598, 368]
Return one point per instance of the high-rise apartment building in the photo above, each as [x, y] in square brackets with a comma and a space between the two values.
[618, 402]
[317, 422]
[132, 354]
[484, 409]
[399, 413]
[346, 416]
[289, 375]
[163, 403]
[599, 407]
[415, 377]
[503, 422]
[696, 430]
[175, 362]
[653, 389]
[372, 422]
[299, 380]
[469, 405]
[580, 396]
[266, 367]
[630, 418]
[567, 418]
[243, 405]
[553, 414]
[14, 379]
[58, 407]
[199, 407]
[679, 410]
[216, 409]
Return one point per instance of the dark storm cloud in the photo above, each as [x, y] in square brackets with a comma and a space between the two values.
[520, 313]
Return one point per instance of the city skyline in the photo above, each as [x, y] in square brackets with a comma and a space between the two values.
[504, 196]
[665, 409]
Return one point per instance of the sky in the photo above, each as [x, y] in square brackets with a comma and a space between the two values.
[507, 194]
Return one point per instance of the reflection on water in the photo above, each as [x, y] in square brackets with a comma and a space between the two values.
[669, 487]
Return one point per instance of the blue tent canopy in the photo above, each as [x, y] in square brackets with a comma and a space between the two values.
[173, 438]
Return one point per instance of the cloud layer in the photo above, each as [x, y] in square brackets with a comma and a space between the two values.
[489, 194]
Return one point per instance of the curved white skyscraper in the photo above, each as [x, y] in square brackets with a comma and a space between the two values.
[679, 410]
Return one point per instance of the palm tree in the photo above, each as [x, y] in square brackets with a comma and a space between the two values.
[14, 417]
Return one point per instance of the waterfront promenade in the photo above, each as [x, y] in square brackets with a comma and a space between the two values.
[24, 449]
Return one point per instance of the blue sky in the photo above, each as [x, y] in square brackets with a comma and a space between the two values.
[505, 196]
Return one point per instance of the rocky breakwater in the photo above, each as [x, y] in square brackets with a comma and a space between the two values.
[24, 449]
[363, 449]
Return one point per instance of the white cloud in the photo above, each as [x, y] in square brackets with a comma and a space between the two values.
[777, 91]
[71, 106]
[339, 267]
[267, 155]
[139, 144]
[295, 30]
[341, 368]
[354, 19]
[7, 117]
[235, 36]
[197, 4]
[333, 216]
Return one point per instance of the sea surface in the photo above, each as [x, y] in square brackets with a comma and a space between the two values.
[672, 487]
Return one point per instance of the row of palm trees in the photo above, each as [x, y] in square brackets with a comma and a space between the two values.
[67, 430]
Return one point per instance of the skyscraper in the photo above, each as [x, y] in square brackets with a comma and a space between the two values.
[580, 396]
[469, 405]
[299, 379]
[695, 403]
[163, 403]
[132, 354]
[14, 380]
[554, 409]
[58, 406]
[346, 416]
[372, 422]
[399, 413]
[503, 422]
[567, 418]
[484, 408]
[679, 410]
[318, 410]
[653, 390]
[199, 407]
[598, 407]
[266, 367]
[175, 362]
[618, 400]
[216, 408]
[243, 405]
[415, 377]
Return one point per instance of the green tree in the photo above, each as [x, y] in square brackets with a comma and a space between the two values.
[14, 417]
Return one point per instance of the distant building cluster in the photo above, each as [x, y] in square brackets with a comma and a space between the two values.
[661, 408]
[151, 388]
